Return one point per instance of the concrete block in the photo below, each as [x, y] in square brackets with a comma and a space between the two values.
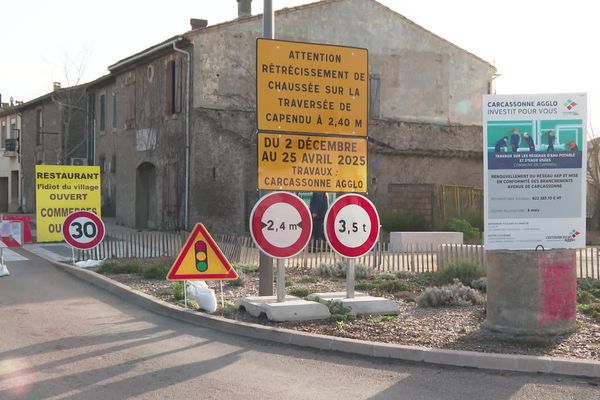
[295, 310]
[361, 304]
[329, 296]
[254, 304]
[507, 362]
[448, 357]
[422, 241]
[533, 364]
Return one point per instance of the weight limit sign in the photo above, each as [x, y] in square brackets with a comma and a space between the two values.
[83, 230]
[352, 225]
[280, 224]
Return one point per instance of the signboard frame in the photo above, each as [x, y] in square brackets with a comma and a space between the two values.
[331, 234]
[535, 184]
[312, 168]
[332, 123]
[256, 224]
[95, 219]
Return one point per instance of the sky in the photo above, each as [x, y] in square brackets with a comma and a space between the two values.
[537, 46]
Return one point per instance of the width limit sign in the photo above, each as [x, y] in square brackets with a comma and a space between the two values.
[312, 163]
[311, 88]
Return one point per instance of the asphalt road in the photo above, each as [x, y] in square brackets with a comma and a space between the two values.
[61, 338]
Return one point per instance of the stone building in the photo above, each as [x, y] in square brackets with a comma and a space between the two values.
[174, 126]
[53, 131]
[10, 163]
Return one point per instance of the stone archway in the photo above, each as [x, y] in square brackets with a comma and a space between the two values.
[145, 196]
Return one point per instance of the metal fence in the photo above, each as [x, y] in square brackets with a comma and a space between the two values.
[242, 250]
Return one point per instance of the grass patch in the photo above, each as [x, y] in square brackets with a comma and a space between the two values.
[310, 279]
[245, 268]
[382, 318]
[302, 292]
[114, 267]
[177, 290]
[384, 285]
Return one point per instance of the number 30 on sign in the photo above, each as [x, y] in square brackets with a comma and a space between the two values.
[83, 230]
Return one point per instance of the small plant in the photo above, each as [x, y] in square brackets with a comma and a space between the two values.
[301, 292]
[325, 270]
[117, 267]
[228, 310]
[455, 294]
[288, 281]
[361, 271]
[240, 281]
[592, 310]
[339, 312]
[465, 271]
[309, 279]
[382, 318]
[424, 279]
[245, 268]
[479, 284]
[462, 225]
[394, 286]
[177, 290]
[156, 271]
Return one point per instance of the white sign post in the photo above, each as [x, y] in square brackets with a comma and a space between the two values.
[352, 228]
[534, 171]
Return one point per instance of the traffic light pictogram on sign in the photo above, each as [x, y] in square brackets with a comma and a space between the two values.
[201, 259]
[201, 256]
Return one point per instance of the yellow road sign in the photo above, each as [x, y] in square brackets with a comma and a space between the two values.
[311, 88]
[201, 259]
[312, 163]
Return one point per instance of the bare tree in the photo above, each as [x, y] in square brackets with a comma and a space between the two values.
[593, 175]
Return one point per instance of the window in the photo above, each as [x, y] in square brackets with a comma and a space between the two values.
[38, 123]
[375, 96]
[113, 163]
[102, 113]
[114, 109]
[173, 86]
[3, 134]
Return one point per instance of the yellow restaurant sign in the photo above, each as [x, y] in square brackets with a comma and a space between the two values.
[61, 190]
[311, 88]
[312, 163]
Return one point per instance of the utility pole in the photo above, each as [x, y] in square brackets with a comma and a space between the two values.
[265, 270]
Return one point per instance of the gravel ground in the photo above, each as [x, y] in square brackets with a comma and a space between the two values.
[457, 328]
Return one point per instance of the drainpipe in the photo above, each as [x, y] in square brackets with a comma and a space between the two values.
[186, 206]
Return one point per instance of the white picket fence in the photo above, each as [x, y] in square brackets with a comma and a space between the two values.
[242, 250]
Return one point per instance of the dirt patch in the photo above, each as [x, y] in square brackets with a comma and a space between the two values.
[457, 328]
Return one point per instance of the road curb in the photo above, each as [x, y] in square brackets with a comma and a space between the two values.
[471, 359]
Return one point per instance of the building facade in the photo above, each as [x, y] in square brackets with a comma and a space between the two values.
[10, 159]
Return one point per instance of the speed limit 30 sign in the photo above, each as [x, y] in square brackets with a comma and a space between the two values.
[83, 230]
[352, 225]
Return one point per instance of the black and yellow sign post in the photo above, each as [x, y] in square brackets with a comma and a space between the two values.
[312, 115]
[307, 88]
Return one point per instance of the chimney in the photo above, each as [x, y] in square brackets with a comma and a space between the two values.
[198, 23]
[244, 8]
[56, 86]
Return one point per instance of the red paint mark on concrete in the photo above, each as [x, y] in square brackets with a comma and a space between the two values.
[558, 288]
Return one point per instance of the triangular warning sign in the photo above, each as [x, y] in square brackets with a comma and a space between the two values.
[201, 259]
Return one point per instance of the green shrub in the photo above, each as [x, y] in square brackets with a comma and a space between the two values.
[456, 294]
[156, 271]
[588, 284]
[240, 281]
[177, 290]
[228, 310]
[301, 292]
[462, 225]
[309, 279]
[395, 221]
[423, 279]
[479, 284]
[339, 312]
[465, 271]
[384, 286]
[593, 310]
[245, 268]
[119, 267]
[325, 270]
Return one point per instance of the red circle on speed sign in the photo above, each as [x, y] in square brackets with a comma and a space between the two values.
[281, 224]
[83, 230]
[352, 225]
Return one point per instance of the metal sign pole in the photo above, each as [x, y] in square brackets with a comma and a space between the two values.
[280, 280]
[222, 299]
[73, 255]
[185, 293]
[350, 279]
